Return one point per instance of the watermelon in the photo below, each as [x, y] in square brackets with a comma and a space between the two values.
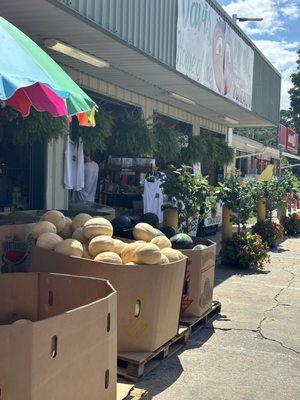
[159, 232]
[200, 247]
[121, 223]
[126, 234]
[168, 231]
[151, 219]
[182, 241]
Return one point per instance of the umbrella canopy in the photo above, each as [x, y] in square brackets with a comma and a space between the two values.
[30, 77]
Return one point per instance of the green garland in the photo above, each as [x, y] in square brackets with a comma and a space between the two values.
[38, 126]
[95, 139]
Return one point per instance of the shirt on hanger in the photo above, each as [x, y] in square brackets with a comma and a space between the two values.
[73, 165]
[153, 198]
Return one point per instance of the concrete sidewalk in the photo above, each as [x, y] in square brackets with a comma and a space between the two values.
[252, 351]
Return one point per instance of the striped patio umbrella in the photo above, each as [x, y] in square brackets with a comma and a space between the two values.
[30, 77]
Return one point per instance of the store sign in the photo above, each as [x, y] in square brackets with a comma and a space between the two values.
[214, 218]
[292, 141]
[211, 53]
[282, 135]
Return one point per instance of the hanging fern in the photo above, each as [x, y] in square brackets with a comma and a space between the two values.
[131, 136]
[207, 146]
[167, 147]
[94, 139]
[38, 126]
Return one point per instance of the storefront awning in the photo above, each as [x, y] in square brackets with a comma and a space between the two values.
[128, 67]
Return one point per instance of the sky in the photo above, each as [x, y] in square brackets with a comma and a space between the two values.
[277, 36]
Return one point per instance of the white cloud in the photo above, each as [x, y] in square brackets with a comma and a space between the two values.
[283, 56]
[276, 15]
[273, 12]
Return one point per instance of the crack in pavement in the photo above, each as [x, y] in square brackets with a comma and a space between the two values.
[213, 328]
[265, 316]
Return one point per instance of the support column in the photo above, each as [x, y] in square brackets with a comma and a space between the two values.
[56, 194]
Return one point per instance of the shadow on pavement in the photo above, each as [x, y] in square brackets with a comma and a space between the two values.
[171, 368]
[224, 272]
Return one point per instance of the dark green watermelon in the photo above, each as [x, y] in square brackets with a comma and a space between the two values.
[159, 232]
[121, 223]
[126, 234]
[200, 247]
[168, 231]
[182, 241]
[151, 219]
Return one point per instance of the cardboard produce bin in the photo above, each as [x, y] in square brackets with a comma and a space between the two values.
[199, 281]
[68, 351]
[149, 296]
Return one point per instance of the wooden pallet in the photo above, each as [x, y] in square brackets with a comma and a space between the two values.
[132, 366]
[196, 323]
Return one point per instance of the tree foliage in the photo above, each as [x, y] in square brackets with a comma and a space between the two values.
[295, 95]
[239, 196]
[267, 136]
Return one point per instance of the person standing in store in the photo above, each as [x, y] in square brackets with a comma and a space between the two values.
[91, 172]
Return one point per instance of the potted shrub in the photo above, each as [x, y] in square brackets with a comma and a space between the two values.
[244, 250]
[238, 196]
[192, 195]
[291, 224]
[269, 232]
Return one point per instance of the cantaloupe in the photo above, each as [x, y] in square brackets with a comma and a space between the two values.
[42, 227]
[66, 233]
[78, 235]
[79, 220]
[108, 257]
[69, 247]
[86, 253]
[164, 259]
[172, 254]
[162, 242]
[147, 254]
[97, 226]
[22, 322]
[128, 251]
[143, 231]
[119, 246]
[100, 244]
[48, 240]
[56, 218]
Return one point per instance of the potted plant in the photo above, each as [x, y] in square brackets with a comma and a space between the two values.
[239, 197]
[291, 224]
[192, 195]
[269, 232]
[244, 250]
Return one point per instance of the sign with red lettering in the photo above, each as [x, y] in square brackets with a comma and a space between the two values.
[292, 141]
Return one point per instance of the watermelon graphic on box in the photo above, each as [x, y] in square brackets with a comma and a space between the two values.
[15, 252]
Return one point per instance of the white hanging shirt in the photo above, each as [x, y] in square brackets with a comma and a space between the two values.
[74, 165]
[88, 193]
[153, 198]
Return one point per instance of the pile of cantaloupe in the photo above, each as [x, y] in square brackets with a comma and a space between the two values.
[92, 238]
